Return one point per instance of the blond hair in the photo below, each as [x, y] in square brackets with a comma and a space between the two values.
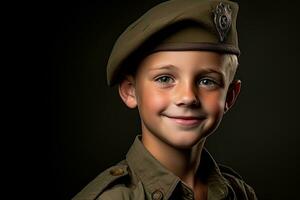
[231, 64]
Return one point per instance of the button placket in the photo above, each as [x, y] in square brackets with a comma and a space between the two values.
[187, 193]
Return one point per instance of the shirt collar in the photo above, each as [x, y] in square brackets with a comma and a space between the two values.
[155, 177]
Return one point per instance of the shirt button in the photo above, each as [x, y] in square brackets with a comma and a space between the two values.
[157, 195]
[116, 171]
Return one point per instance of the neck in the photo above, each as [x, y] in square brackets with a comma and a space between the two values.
[182, 162]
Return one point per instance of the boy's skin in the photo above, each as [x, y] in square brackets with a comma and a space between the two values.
[181, 97]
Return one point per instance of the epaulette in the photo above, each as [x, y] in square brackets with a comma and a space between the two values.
[228, 170]
[102, 181]
[240, 188]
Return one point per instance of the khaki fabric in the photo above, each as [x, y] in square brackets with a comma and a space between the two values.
[140, 176]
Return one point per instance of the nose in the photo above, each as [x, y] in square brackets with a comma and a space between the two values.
[187, 95]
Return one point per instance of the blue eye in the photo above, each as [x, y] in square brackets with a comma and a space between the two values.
[208, 83]
[164, 79]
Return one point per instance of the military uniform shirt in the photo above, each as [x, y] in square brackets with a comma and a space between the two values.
[140, 176]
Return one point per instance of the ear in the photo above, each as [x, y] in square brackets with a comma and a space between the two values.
[232, 94]
[127, 91]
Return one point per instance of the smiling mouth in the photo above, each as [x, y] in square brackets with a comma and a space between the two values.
[186, 120]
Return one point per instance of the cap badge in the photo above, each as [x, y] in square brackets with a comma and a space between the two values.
[222, 20]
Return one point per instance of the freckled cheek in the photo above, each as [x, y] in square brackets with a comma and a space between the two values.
[154, 101]
[213, 103]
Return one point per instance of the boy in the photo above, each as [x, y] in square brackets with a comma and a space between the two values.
[176, 64]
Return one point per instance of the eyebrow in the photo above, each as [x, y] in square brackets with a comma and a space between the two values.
[210, 71]
[169, 67]
[206, 70]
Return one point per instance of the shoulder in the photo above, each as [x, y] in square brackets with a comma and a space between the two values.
[113, 183]
[241, 189]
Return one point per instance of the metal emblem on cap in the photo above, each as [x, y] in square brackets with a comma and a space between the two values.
[222, 19]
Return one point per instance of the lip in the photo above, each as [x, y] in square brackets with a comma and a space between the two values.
[186, 120]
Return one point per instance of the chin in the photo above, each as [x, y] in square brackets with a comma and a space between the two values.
[185, 141]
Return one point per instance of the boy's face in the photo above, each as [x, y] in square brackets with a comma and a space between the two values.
[181, 95]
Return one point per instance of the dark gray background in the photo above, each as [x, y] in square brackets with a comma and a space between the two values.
[90, 129]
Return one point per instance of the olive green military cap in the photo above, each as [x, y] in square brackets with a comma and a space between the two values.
[175, 25]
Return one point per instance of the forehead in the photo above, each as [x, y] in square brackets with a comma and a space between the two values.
[183, 61]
